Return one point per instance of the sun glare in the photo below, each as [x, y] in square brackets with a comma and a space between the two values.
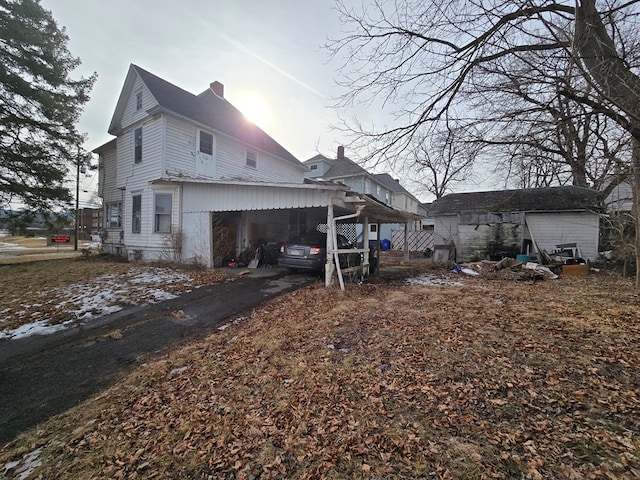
[254, 109]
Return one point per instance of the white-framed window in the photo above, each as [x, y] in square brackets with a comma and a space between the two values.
[138, 100]
[137, 142]
[114, 219]
[313, 167]
[162, 209]
[367, 185]
[251, 159]
[206, 143]
[136, 213]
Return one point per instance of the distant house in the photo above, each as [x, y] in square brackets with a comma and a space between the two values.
[620, 199]
[188, 178]
[497, 224]
[382, 187]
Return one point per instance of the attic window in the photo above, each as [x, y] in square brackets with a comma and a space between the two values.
[252, 159]
[138, 100]
[313, 167]
[206, 143]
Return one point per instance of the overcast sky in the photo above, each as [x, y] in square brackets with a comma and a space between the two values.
[271, 51]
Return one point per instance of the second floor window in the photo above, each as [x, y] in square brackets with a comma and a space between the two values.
[252, 159]
[206, 143]
[137, 142]
[136, 214]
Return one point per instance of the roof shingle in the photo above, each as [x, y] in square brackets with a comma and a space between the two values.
[526, 200]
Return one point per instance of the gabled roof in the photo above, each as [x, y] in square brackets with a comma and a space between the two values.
[345, 167]
[207, 109]
[392, 184]
[566, 198]
[319, 158]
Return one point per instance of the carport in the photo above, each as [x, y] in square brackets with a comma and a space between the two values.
[253, 210]
[368, 210]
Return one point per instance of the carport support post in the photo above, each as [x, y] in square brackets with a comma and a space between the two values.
[365, 245]
[406, 241]
[328, 268]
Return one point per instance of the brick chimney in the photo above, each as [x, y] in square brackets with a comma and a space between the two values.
[340, 152]
[217, 88]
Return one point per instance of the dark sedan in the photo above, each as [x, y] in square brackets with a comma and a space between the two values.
[309, 252]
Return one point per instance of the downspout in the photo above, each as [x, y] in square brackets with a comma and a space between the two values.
[334, 234]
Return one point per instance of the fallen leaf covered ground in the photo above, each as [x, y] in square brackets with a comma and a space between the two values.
[478, 379]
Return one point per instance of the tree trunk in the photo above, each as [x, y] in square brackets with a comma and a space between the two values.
[635, 188]
[618, 83]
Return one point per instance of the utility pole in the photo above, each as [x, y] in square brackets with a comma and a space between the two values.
[75, 237]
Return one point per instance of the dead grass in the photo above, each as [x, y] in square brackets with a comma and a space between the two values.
[493, 379]
[41, 290]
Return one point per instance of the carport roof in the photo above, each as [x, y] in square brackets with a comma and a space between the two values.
[337, 193]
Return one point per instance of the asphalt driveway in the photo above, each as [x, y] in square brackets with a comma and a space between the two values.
[41, 376]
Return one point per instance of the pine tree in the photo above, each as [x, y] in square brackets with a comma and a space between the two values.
[39, 107]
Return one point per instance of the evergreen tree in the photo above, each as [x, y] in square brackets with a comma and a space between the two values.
[39, 106]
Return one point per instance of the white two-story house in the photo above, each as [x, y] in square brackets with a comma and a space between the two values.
[188, 178]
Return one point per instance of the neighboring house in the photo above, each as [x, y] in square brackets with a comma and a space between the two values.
[620, 199]
[89, 222]
[497, 224]
[381, 187]
[187, 177]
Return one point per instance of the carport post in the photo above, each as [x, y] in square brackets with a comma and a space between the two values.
[328, 268]
[406, 241]
[365, 245]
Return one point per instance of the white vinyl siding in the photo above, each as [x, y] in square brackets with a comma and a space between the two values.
[228, 159]
[180, 147]
[131, 175]
[551, 229]
[131, 113]
[231, 159]
[107, 177]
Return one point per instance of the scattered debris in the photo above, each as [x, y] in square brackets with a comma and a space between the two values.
[179, 370]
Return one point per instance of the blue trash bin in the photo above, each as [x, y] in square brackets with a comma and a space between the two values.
[385, 244]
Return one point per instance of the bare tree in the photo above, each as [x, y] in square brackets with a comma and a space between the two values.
[432, 58]
[441, 160]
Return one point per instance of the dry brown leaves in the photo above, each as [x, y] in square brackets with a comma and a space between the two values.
[492, 379]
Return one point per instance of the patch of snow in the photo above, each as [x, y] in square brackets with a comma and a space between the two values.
[223, 327]
[40, 327]
[24, 467]
[12, 246]
[104, 295]
[176, 371]
[433, 280]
